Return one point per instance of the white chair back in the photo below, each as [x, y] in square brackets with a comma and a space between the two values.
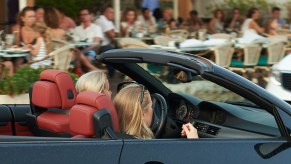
[251, 54]
[62, 57]
[223, 55]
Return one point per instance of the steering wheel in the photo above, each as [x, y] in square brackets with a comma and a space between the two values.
[159, 114]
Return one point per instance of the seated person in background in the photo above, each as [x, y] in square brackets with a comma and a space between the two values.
[39, 13]
[147, 20]
[250, 25]
[234, 23]
[272, 26]
[134, 109]
[66, 23]
[173, 24]
[95, 81]
[109, 32]
[42, 47]
[52, 21]
[128, 23]
[194, 22]
[88, 31]
[30, 36]
[167, 18]
[216, 24]
[276, 12]
[108, 28]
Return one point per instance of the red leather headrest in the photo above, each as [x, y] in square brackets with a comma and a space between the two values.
[64, 84]
[81, 120]
[99, 101]
[81, 115]
[46, 95]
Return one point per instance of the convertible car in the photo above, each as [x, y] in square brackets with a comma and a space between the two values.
[237, 121]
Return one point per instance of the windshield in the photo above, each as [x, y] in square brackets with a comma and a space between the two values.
[197, 86]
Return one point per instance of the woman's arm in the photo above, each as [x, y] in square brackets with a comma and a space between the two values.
[34, 49]
[255, 26]
[211, 26]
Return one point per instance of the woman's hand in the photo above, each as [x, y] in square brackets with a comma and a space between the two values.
[27, 47]
[189, 131]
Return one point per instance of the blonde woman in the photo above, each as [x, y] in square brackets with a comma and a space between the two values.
[134, 109]
[94, 81]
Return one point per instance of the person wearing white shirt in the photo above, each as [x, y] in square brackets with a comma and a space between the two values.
[89, 32]
[147, 20]
[108, 28]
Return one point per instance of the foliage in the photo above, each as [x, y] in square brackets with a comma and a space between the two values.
[71, 7]
[243, 5]
[21, 81]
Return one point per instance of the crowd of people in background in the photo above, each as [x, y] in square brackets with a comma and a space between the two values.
[36, 26]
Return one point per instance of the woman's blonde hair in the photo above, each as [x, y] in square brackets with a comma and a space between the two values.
[92, 81]
[44, 31]
[130, 111]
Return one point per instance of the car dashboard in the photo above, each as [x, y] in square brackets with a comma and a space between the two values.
[222, 120]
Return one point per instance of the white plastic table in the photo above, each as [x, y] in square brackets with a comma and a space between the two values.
[83, 44]
[13, 55]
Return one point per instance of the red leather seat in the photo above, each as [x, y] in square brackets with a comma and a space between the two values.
[55, 90]
[81, 114]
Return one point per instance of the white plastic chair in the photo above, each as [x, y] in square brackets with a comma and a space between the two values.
[223, 54]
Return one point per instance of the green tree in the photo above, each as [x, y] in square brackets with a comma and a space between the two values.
[71, 7]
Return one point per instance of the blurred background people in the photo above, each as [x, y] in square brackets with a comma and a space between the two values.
[147, 20]
[276, 14]
[109, 32]
[194, 22]
[66, 22]
[166, 19]
[53, 22]
[216, 24]
[128, 23]
[39, 13]
[250, 26]
[234, 22]
[88, 31]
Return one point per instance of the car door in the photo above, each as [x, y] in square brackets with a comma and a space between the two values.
[206, 151]
[36, 150]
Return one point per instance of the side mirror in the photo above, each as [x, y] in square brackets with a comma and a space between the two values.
[184, 76]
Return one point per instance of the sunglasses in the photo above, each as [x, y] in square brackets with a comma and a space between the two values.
[128, 83]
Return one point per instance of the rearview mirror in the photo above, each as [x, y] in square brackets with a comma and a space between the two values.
[184, 76]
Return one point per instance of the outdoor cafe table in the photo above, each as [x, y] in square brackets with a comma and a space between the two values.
[83, 44]
[13, 55]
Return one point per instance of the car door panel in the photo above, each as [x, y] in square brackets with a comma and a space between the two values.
[202, 151]
[20, 117]
[66, 151]
[5, 121]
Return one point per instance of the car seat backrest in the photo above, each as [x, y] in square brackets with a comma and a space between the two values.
[81, 114]
[55, 89]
